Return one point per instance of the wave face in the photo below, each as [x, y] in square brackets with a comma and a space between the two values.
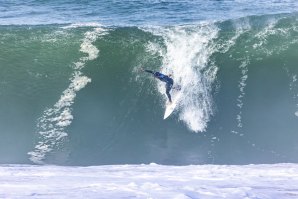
[74, 94]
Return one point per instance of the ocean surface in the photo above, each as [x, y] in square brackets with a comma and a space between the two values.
[72, 92]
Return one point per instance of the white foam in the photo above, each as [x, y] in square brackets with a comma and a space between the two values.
[51, 125]
[82, 24]
[150, 181]
[64, 119]
[294, 78]
[242, 85]
[262, 35]
[272, 30]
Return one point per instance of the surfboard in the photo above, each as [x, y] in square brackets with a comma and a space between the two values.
[171, 106]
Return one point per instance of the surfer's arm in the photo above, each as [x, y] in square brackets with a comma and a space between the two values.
[149, 71]
[156, 75]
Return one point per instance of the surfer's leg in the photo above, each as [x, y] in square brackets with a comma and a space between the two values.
[168, 89]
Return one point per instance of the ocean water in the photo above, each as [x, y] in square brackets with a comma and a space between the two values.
[72, 92]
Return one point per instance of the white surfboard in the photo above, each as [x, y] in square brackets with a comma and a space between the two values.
[171, 106]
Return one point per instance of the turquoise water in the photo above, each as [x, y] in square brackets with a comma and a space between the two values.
[72, 92]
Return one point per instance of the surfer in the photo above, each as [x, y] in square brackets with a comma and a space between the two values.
[165, 78]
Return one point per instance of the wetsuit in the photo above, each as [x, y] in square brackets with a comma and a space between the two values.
[169, 81]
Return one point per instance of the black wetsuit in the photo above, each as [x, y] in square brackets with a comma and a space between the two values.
[169, 81]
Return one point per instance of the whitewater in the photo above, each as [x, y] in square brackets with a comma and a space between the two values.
[150, 181]
[79, 120]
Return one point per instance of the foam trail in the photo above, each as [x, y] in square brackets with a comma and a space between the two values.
[293, 86]
[261, 41]
[242, 85]
[51, 125]
[241, 27]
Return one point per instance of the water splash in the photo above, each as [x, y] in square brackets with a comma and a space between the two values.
[188, 49]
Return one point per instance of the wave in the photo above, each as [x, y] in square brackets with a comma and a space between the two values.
[82, 81]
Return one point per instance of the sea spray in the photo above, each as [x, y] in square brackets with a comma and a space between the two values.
[186, 57]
